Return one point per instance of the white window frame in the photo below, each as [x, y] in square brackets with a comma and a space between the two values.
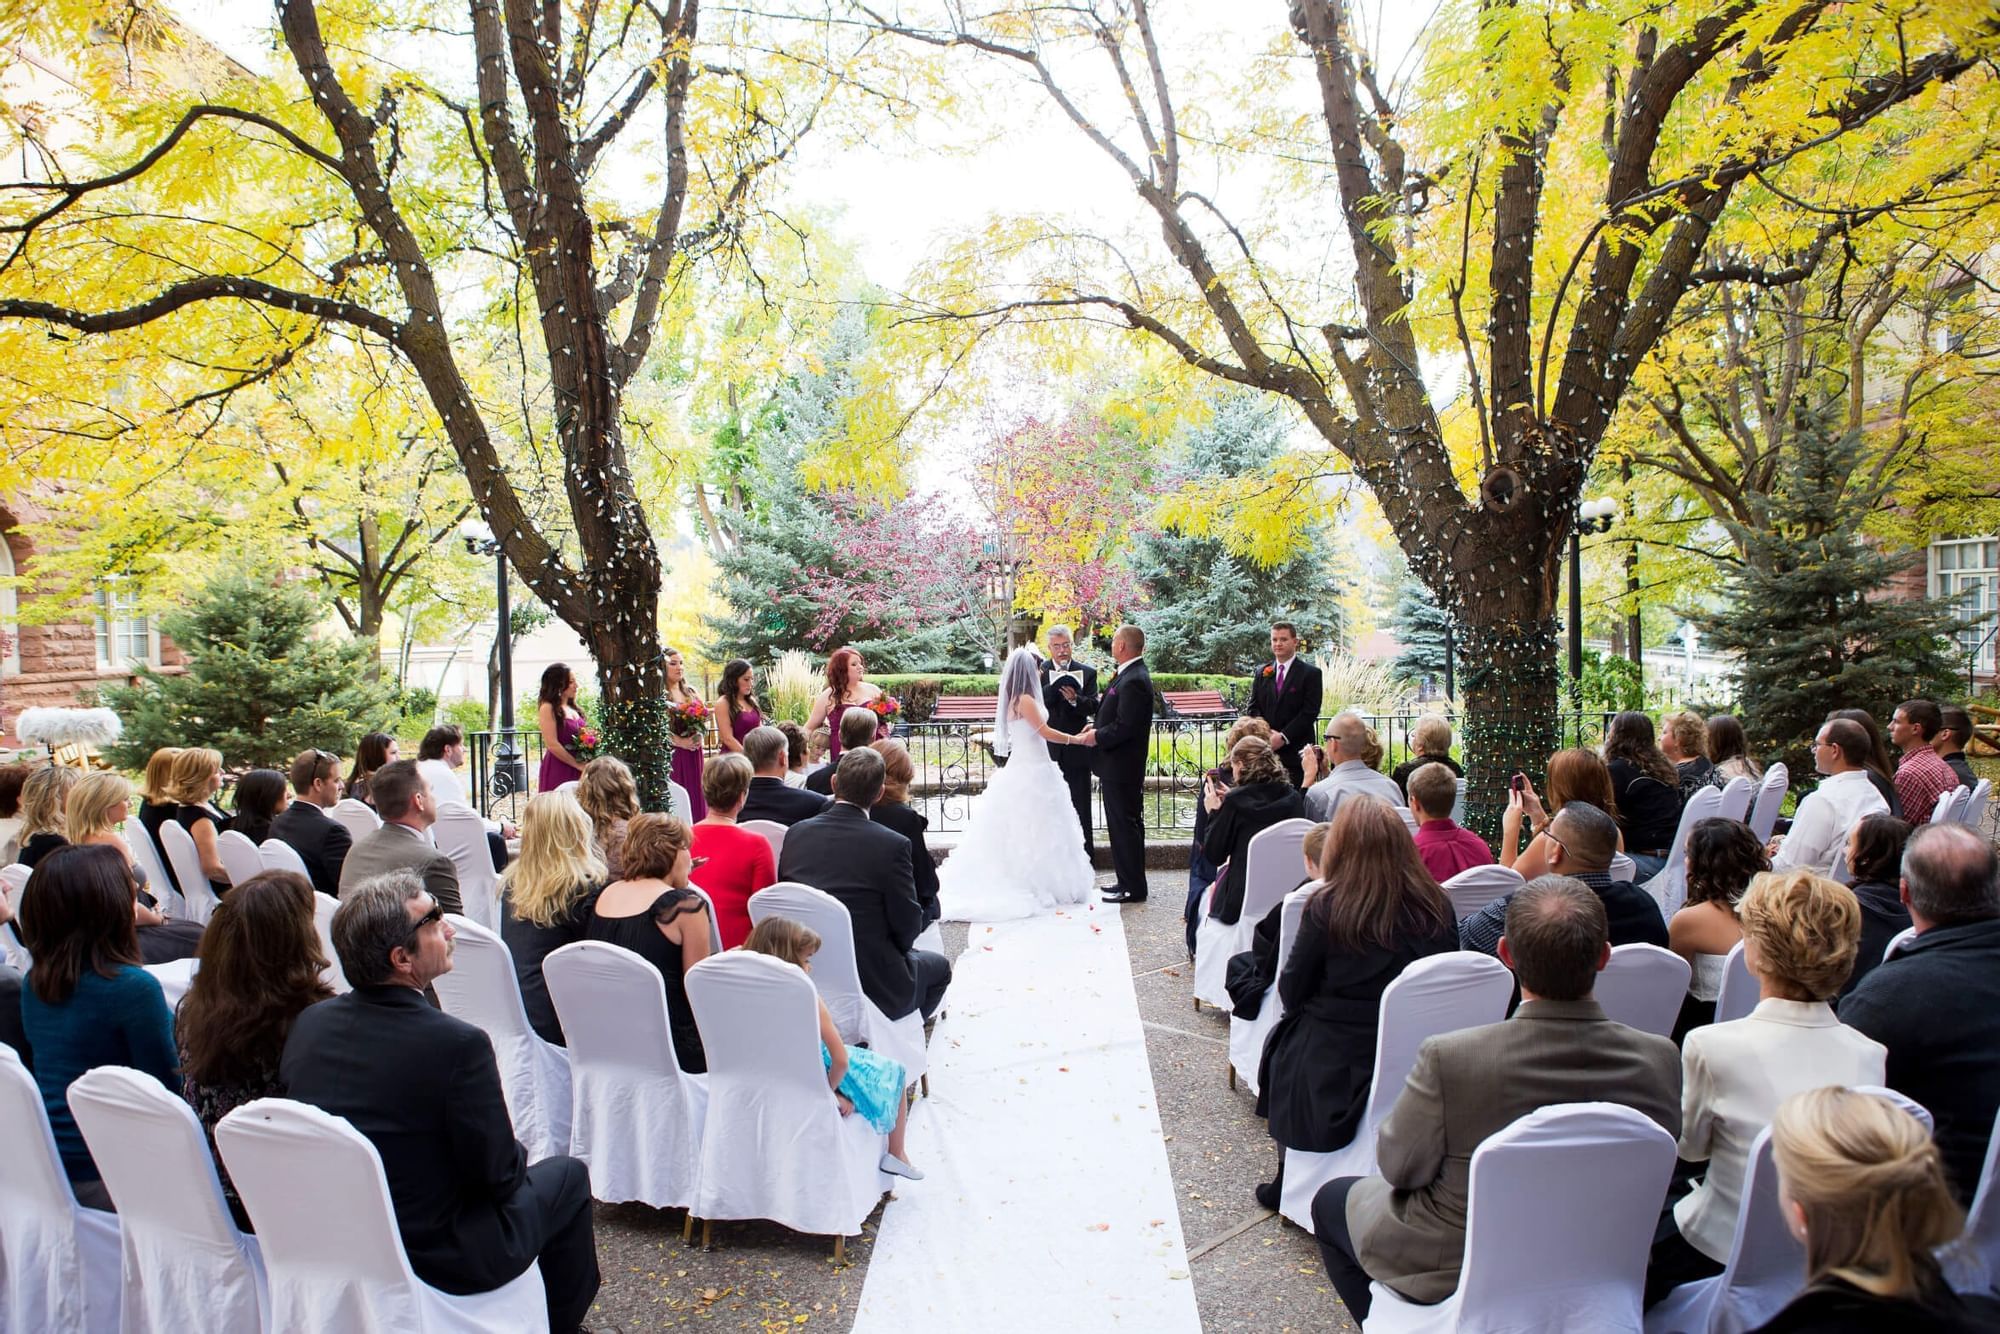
[114, 631]
[1981, 577]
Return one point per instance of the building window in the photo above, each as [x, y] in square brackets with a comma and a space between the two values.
[1966, 573]
[10, 608]
[125, 639]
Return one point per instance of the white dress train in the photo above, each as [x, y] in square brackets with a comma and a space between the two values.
[1022, 852]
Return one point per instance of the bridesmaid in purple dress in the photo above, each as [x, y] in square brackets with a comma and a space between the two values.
[736, 706]
[562, 723]
[686, 769]
[845, 689]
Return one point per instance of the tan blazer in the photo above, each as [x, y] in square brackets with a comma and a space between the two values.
[1408, 1222]
[396, 847]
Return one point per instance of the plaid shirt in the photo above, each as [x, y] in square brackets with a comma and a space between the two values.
[1921, 779]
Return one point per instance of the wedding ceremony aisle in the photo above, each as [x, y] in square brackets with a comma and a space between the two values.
[1048, 1198]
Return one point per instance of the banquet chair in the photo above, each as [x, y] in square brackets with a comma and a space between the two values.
[14, 949]
[1736, 797]
[1765, 1270]
[278, 855]
[1643, 987]
[1477, 886]
[239, 855]
[356, 817]
[185, 1265]
[461, 835]
[314, 1187]
[178, 844]
[1622, 868]
[1977, 805]
[483, 989]
[58, 1260]
[636, 1117]
[1669, 887]
[771, 832]
[323, 910]
[1972, 1263]
[1274, 867]
[1248, 1036]
[1769, 800]
[146, 853]
[1739, 993]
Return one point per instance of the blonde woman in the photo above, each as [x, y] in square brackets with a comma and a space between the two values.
[155, 806]
[1862, 1186]
[547, 895]
[610, 797]
[1430, 743]
[94, 815]
[193, 782]
[44, 824]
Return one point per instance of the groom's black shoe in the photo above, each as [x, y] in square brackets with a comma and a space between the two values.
[1124, 896]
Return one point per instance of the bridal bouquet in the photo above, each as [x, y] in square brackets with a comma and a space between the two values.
[585, 748]
[689, 719]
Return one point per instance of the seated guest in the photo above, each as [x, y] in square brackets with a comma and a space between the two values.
[1259, 796]
[95, 814]
[1574, 775]
[156, 804]
[795, 752]
[260, 968]
[1405, 1227]
[870, 870]
[546, 898]
[87, 1001]
[1729, 749]
[857, 731]
[1684, 741]
[1254, 971]
[440, 755]
[1348, 766]
[1445, 846]
[1430, 740]
[12, 776]
[1799, 935]
[1582, 839]
[44, 811]
[1923, 776]
[1861, 1184]
[261, 796]
[11, 983]
[1648, 791]
[1881, 771]
[321, 841]
[424, 1088]
[818, 742]
[1202, 871]
[1377, 912]
[731, 863]
[652, 912]
[895, 812]
[371, 752]
[1723, 856]
[773, 795]
[1936, 1005]
[1875, 860]
[609, 795]
[403, 843]
[1953, 734]
[196, 778]
[1826, 814]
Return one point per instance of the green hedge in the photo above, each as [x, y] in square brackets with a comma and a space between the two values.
[918, 691]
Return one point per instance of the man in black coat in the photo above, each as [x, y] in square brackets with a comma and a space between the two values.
[425, 1089]
[1069, 692]
[1123, 737]
[1286, 694]
[857, 732]
[869, 868]
[320, 840]
[771, 797]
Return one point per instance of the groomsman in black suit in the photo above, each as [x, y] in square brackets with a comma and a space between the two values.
[1123, 736]
[1069, 690]
[1286, 694]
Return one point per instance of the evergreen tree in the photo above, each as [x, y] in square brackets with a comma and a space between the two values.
[1809, 614]
[1419, 626]
[261, 684]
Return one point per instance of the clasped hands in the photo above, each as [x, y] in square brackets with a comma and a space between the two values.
[1088, 736]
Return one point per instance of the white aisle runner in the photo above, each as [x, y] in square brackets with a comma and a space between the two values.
[1047, 1201]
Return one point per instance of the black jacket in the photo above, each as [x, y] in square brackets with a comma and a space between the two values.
[868, 867]
[1125, 725]
[1245, 812]
[776, 800]
[1833, 1306]
[320, 840]
[819, 781]
[1936, 1007]
[1063, 715]
[1883, 917]
[1649, 811]
[1294, 712]
[425, 1090]
[911, 824]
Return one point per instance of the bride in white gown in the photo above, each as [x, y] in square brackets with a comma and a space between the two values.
[1022, 852]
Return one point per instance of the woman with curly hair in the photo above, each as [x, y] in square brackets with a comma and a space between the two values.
[609, 795]
[846, 688]
[1723, 856]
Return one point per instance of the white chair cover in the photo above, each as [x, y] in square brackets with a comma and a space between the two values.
[1838, 871]
[323, 910]
[1951, 806]
[771, 832]
[147, 854]
[1578, 1180]
[1770, 797]
[1623, 868]
[178, 844]
[1898, 943]
[775, 1144]
[571, 786]
[1441, 994]
[278, 855]
[186, 1266]
[174, 977]
[58, 1260]
[1474, 888]
[239, 855]
[1458, 804]
[1643, 987]
[838, 977]
[14, 950]
[357, 818]
[1669, 887]
[461, 835]
[1739, 994]
[1274, 866]
[1409, 819]
[1973, 1261]
[483, 989]
[637, 1117]
[1902, 1100]
[1977, 805]
[1736, 795]
[314, 1186]
[1766, 1268]
[678, 804]
[1248, 1036]
[714, 926]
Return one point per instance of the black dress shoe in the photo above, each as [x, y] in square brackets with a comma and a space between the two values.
[1124, 896]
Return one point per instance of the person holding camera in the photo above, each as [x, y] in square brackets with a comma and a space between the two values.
[1254, 795]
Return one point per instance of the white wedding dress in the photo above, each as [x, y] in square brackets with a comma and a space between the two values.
[1022, 852]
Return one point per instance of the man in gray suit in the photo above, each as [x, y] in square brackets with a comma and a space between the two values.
[403, 843]
[1406, 1227]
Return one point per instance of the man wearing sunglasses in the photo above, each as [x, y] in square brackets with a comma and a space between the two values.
[321, 841]
[1582, 841]
[425, 1089]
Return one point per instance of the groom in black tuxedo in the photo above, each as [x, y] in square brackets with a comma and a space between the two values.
[1286, 694]
[1071, 703]
[1123, 736]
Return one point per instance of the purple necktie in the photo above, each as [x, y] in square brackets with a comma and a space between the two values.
[1281, 680]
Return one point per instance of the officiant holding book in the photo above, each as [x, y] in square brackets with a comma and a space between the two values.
[1069, 690]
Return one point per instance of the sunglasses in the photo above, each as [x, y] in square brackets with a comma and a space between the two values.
[436, 914]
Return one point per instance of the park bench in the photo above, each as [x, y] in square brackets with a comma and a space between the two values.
[1197, 704]
[965, 708]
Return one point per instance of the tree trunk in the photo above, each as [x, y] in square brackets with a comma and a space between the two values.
[632, 704]
[1507, 684]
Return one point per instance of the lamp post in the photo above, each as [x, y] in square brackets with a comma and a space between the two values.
[509, 774]
[1594, 516]
[1002, 570]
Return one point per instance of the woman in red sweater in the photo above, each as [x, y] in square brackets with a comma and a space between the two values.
[730, 864]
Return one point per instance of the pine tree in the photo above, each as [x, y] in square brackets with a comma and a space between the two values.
[1419, 625]
[1808, 612]
[261, 683]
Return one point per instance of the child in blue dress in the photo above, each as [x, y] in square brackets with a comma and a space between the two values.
[862, 1081]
